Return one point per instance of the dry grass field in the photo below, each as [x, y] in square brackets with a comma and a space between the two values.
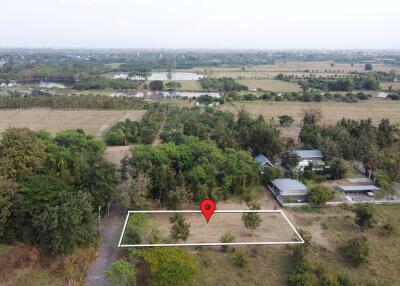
[318, 68]
[376, 109]
[91, 121]
[387, 85]
[270, 85]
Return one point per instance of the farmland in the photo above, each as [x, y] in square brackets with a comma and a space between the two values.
[331, 111]
[91, 121]
[270, 85]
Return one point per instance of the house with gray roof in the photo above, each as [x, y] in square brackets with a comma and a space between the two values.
[310, 157]
[288, 190]
[263, 162]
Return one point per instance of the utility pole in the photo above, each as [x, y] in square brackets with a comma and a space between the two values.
[99, 221]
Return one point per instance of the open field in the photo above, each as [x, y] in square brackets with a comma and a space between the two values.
[273, 228]
[189, 85]
[318, 68]
[270, 85]
[387, 85]
[332, 112]
[91, 121]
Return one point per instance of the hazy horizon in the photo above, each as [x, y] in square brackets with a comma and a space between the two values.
[205, 25]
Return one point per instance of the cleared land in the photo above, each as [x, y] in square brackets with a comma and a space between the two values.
[387, 85]
[273, 228]
[91, 121]
[332, 112]
[270, 85]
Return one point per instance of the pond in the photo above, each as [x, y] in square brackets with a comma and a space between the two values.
[163, 76]
[45, 84]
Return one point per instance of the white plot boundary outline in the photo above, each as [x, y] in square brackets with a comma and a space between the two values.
[211, 243]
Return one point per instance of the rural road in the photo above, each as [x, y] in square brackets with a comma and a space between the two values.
[108, 250]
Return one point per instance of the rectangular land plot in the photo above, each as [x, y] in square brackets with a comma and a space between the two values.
[275, 228]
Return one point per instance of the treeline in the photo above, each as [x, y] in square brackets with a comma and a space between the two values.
[254, 135]
[145, 132]
[356, 140]
[309, 96]
[73, 101]
[52, 187]
[193, 169]
[368, 82]
[221, 84]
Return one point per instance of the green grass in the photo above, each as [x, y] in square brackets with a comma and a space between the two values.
[270, 85]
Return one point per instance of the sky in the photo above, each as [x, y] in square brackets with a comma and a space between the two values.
[201, 24]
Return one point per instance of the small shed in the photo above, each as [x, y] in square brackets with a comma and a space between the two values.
[309, 154]
[263, 161]
[382, 95]
[357, 190]
[288, 190]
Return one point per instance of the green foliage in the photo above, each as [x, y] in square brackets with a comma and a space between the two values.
[139, 230]
[204, 169]
[121, 273]
[318, 195]
[356, 250]
[368, 67]
[290, 160]
[337, 168]
[222, 84]
[227, 237]
[8, 192]
[136, 195]
[241, 258]
[285, 120]
[170, 266]
[252, 220]
[52, 214]
[270, 173]
[22, 154]
[180, 229]
[383, 180]
[364, 216]
[156, 85]
[388, 229]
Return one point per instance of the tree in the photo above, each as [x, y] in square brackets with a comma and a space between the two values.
[180, 229]
[22, 154]
[364, 216]
[270, 174]
[252, 220]
[368, 67]
[318, 195]
[170, 266]
[8, 192]
[135, 196]
[337, 168]
[227, 237]
[290, 160]
[121, 273]
[157, 85]
[357, 250]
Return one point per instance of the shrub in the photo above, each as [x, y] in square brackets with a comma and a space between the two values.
[318, 195]
[241, 258]
[356, 250]
[227, 237]
[170, 266]
[364, 216]
[121, 273]
[180, 229]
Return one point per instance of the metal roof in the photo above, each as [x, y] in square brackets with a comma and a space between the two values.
[289, 187]
[304, 154]
[262, 160]
[364, 188]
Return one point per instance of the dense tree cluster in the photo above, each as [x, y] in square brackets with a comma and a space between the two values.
[254, 135]
[73, 101]
[368, 82]
[221, 84]
[356, 140]
[144, 132]
[195, 167]
[51, 186]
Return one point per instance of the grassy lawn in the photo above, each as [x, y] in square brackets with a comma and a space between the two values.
[270, 85]
[190, 85]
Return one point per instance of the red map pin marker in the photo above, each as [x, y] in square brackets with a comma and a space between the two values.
[207, 207]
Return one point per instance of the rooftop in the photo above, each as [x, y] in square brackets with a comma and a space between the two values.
[289, 187]
[262, 160]
[303, 154]
[364, 188]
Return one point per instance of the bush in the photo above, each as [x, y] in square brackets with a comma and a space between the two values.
[241, 258]
[180, 229]
[227, 237]
[156, 85]
[170, 266]
[121, 273]
[318, 195]
[364, 216]
[356, 250]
